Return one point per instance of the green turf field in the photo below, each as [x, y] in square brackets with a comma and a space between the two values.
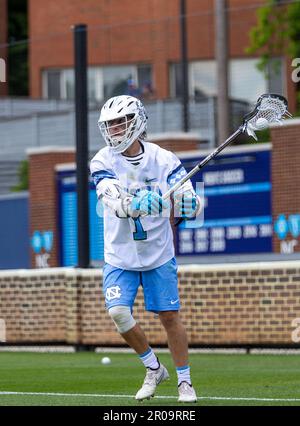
[81, 379]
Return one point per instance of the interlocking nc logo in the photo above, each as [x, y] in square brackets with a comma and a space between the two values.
[113, 293]
[283, 226]
[2, 71]
[41, 240]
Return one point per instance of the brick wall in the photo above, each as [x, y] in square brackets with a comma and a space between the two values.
[43, 194]
[286, 177]
[3, 40]
[252, 303]
[177, 142]
[115, 26]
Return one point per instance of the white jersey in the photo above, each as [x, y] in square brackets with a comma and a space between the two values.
[146, 242]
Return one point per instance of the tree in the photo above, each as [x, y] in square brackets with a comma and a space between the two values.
[23, 174]
[277, 32]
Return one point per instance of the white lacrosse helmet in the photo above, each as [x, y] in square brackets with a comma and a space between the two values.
[129, 122]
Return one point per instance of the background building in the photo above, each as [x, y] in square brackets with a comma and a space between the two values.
[135, 46]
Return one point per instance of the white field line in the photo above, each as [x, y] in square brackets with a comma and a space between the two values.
[108, 350]
[95, 395]
[39, 349]
[165, 350]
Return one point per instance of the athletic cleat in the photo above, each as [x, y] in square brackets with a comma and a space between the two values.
[186, 393]
[152, 379]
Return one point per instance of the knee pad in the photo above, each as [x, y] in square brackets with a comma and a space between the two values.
[121, 316]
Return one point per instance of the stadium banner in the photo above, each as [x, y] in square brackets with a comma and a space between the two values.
[238, 210]
[67, 214]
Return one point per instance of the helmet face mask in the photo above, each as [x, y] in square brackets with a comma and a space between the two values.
[122, 121]
[116, 130]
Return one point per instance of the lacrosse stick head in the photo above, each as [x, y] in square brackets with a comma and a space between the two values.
[269, 108]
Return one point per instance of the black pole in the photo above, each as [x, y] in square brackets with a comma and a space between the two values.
[81, 116]
[221, 49]
[184, 66]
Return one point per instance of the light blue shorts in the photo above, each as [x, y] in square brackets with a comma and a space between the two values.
[160, 286]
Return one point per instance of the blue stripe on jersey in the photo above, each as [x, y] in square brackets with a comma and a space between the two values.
[176, 175]
[102, 174]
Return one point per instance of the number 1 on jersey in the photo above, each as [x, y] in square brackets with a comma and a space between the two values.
[140, 233]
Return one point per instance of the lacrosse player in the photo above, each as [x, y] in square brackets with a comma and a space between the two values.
[130, 176]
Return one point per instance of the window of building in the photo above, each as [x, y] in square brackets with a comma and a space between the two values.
[146, 86]
[276, 76]
[67, 83]
[203, 78]
[95, 84]
[52, 84]
[117, 79]
[103, 82]
[246, 82]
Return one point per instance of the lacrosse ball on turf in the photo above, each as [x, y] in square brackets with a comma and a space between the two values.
[105, 360]
[261, 123]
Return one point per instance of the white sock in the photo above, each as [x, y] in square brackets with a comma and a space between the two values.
[183, 374]
[149, 359]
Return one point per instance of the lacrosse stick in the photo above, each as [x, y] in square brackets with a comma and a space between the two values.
[269, 108]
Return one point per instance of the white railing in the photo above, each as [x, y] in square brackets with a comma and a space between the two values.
[43, 123]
